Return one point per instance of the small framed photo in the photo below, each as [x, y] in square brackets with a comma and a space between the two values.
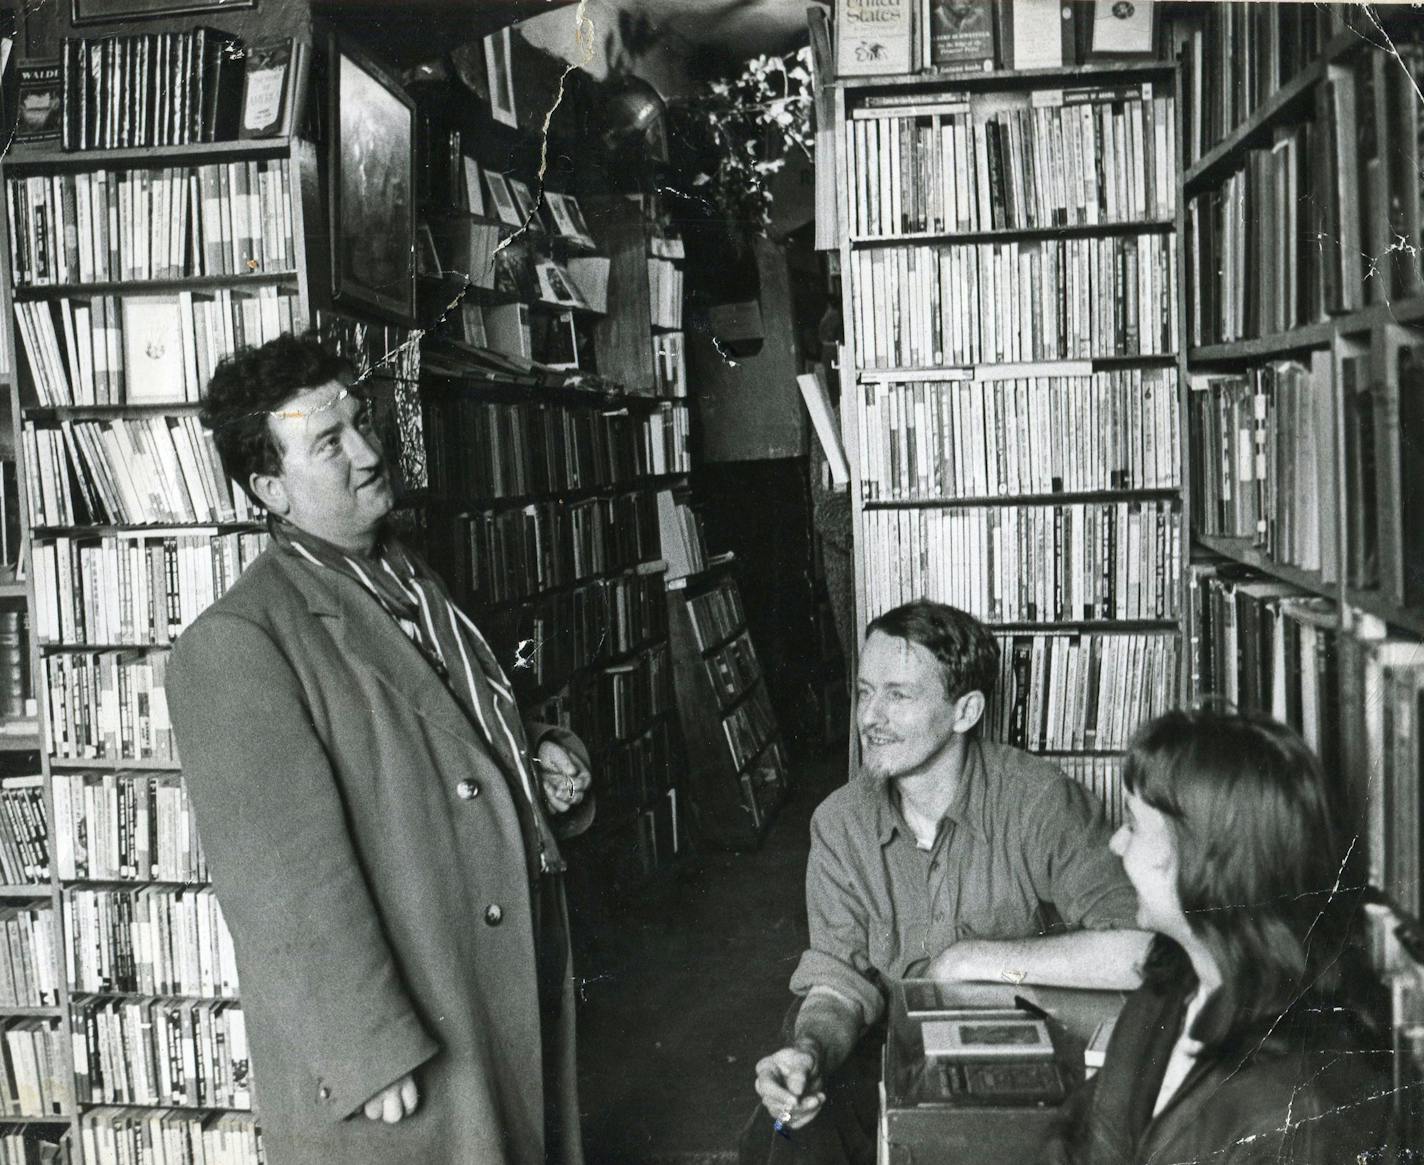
[499, 66]
[992, 1037]
[372, 186]
[564, 213]
[555, 284]
[1123, 28]
[474, 191]
[524, 200]
[503, 200]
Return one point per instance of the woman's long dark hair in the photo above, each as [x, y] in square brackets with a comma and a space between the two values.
[1261, 876]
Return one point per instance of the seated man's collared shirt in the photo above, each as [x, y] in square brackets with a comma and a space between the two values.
[1022, 850]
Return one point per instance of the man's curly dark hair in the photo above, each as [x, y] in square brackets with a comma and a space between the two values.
[254, 382]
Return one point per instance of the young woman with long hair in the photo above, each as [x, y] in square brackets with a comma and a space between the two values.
[1253, 1037]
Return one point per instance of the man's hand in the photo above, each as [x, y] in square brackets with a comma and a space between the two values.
[565, 778]
[394, 1102]
[788, 1083]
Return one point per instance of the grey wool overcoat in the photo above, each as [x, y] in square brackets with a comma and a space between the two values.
[382, 920]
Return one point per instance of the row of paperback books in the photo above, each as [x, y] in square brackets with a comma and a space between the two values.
[667, 438]
[152, 1052]
[150, 89]
[177, 222]
[24, 831]
[669, 364]
[544, 642]
[616, 704]
[716, 614]
[133, 588]
[27, 971]
[1237, 57]
[500, 556]
[1266, 467]
[125, 827]
[1277, 244]
[981, 438]
[154, 941]
[32, 1076]
[107, 705]
[1101, 776]
[145, 349]
[122, 1136]
[1065, 299]
[479, 450]
[732, 669]
[1029, 564]
[131, 471]
[664, 292]
[749, 727]
[636, 772]
[1265, 646]
[1074, 156]
[1080, 693]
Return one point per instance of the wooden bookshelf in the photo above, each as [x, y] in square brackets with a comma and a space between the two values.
[1337, 652]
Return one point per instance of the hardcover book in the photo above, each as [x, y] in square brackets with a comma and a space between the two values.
[873, 37]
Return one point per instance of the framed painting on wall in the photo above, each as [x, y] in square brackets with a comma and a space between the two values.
[372, 189]
[101, 11]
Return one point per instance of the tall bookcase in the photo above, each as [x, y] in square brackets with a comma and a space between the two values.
[1301, 134]
[1011, 415]
[551, 541]
[130, 531]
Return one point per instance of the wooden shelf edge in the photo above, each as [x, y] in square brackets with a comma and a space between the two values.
[42, 291]
[1009, 234]
[1148, 493]
[23, 159]
[1071, 77]
[1242, 551]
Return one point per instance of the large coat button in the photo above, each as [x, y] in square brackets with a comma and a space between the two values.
[493, 914]
[467, 790]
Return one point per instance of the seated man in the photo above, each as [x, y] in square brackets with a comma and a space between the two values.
[950, 858]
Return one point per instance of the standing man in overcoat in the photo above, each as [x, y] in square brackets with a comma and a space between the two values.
[380, 825]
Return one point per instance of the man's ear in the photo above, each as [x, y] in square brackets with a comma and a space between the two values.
[271, 491]
[968, 710]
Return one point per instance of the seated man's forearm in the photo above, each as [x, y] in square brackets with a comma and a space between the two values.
[830, 1022]
[1101, 959]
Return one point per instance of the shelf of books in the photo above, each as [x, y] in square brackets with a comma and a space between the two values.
[1305, 373]
[1013, 331]
[737, 770]
[132, 270]
[551, 401]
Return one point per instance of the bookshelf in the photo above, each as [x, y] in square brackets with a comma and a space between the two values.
[1304, 430]
[550, 541]
[131, 530]
[1012, 357]
[737, 766]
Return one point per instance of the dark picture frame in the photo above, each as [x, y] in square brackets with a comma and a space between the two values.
[371, 185]
[82, 12]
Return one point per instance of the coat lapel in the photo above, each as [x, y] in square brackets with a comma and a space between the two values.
[372, 641]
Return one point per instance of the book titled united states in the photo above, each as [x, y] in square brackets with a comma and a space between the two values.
[874, 37]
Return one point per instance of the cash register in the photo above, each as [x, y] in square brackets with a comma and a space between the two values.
[975, 1073]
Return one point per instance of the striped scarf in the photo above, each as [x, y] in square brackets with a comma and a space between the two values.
[410, 593]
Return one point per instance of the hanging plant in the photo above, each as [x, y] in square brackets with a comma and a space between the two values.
[750, 124]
